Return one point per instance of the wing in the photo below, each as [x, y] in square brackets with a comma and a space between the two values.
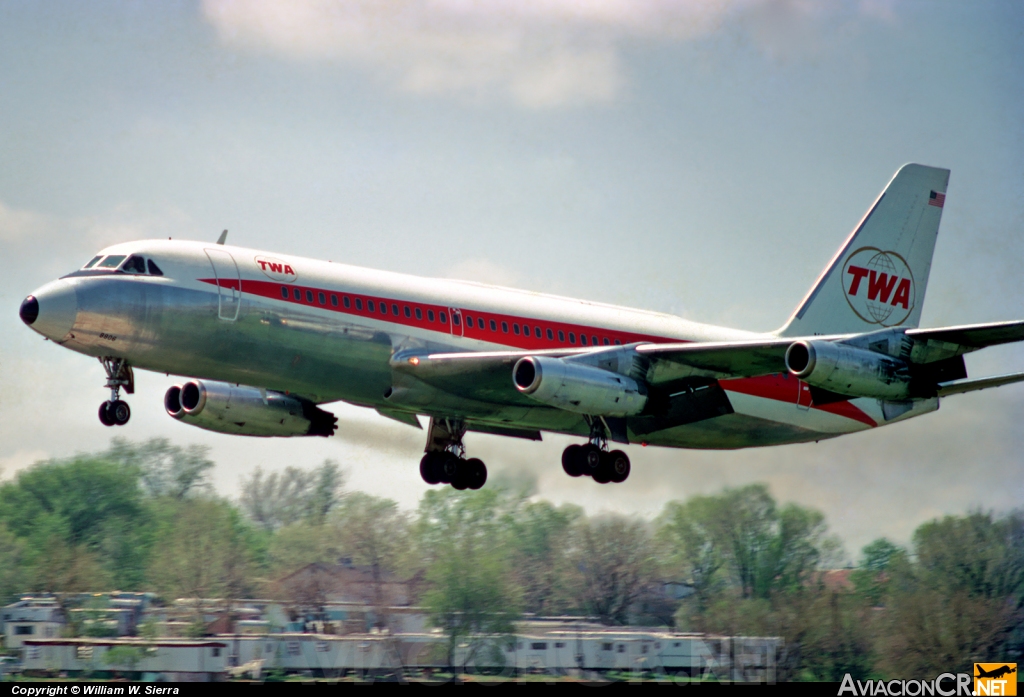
[719, 360]
[932, 345]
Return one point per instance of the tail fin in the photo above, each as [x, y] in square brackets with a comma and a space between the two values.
[879, 276]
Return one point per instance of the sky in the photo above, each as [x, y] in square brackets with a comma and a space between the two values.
[703, 158]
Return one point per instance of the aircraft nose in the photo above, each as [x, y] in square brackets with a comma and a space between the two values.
[29, 310]
[51, 310]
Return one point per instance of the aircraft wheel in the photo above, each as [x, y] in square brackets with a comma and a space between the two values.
[603, 472]
[618, 462]
[476, 473]
[460, 480]
[429, 470]
[448, 467]
[105, 414]
[119, 412]
[572, 460]
[590, 458]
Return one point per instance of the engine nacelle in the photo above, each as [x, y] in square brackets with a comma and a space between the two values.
[578, 388]
[246, 411]
[848, 370]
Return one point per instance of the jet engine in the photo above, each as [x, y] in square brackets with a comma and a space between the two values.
[246, 411]
[848, 370]
[578, 388]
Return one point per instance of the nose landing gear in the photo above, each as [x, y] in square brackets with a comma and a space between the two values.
[445, 462]
[115, 411]
[594, 460]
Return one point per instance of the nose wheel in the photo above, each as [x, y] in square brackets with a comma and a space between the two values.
[445, 461]
[115, 411]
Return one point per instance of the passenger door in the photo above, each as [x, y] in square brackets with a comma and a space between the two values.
[229, 285]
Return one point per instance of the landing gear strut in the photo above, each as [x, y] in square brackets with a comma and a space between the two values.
[594, 460]
[445, 462]
[115, 412]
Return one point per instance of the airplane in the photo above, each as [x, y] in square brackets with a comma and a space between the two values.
[264, 340]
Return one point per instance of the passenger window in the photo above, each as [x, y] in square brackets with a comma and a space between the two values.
[407, 313]
[430, 315]
[334, 300]
[309, 296]
[504, 327]
[383, 308]
[154, 270]
[322, 298]
[515, 329]
[394, 309]
[561, 336]
[359, 304]
[345, 301]
[419, 313]
[370, 306]
[296, 293]
[618, 343]
[526, 330]
[469, 321]
[134, 265]
[550, 335]
[572, 337]
[606, 341]
[536, 332]
[455, 320]
[284, 292]
[494, 327]
[92, 262]
[583, 339]
[593, 340]
[443, 316]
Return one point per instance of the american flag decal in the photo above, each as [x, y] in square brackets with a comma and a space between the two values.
[936, 199]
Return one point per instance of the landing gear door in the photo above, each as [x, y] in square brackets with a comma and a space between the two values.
[803, 395]
[456, 325]
[229, 286]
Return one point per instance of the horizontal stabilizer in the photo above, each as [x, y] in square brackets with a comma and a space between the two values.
[960, 386]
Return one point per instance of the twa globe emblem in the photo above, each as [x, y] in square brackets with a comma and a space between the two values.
[879, 286]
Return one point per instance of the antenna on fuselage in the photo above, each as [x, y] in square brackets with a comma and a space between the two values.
[223, 237]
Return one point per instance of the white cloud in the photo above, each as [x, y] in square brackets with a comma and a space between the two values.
[536, 53]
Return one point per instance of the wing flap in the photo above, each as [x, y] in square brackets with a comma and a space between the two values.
[932, 345]
[733, 359]
[961, 386]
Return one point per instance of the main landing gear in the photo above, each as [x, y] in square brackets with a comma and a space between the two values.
[445, 462]
[115, 412]
[594, 460]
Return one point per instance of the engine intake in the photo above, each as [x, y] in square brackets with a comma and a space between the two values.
[849, 371]
[578, 388]
[247, 411]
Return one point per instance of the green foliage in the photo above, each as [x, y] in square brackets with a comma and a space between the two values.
[164, 469]
[612, 562]
[279, 499]
[124, 657]
[471, 593]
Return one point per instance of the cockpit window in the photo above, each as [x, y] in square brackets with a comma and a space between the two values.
[92, 262]
[154, 270]
[134, 265]
[111, 262]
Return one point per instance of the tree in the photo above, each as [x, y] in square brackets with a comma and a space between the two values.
[537, 537]
[278, 499]
[165, 469]
[690, 537]
[612, 558]
[471, 595]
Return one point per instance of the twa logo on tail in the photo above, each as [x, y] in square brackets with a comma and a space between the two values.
[277, 269]
[879, 286]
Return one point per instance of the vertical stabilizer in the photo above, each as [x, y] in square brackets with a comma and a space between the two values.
[879, 276]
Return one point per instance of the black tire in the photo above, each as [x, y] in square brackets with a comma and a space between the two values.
[603, 473]
[457, 467]
[590, 458]
[119, 412]
[618, 462]
[476, 473]
[447, 467]
[105, 414]
[429, 469]
[572, 460]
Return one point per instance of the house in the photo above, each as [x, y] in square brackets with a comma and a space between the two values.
[176, 660]
[31, 618]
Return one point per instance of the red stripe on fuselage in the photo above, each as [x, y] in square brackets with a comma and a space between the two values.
[780, 387]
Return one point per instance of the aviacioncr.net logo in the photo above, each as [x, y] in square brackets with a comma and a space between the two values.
[879, 286]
